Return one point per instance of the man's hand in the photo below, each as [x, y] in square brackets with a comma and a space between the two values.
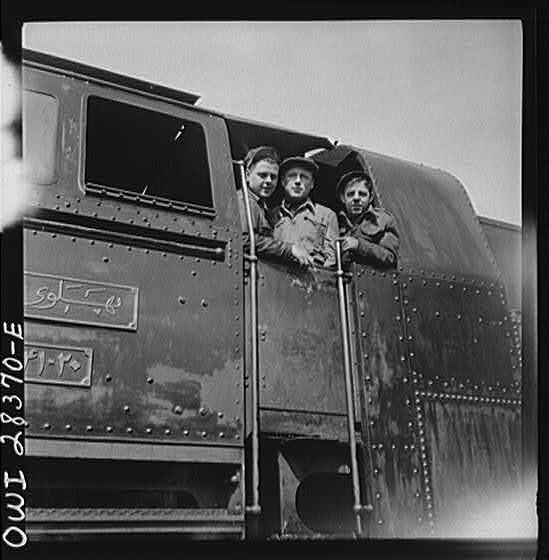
[301, 255]
[348, 243]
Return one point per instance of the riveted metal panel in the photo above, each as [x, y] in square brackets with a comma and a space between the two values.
[300, 340]
[177, 378]
[459, 336]
[388, 418]
[174, 374]
[466, 396]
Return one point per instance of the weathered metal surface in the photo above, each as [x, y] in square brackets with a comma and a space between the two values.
[58, 365]
[300, 341]
[475, 463]
[466, 396]
[506, 243]
[459, 335]
[439, 231]
[392, 467]
[305, 424]
[177, 378]
[71, 300]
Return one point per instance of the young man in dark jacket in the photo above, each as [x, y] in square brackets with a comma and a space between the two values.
[368, 233]
[261, 167]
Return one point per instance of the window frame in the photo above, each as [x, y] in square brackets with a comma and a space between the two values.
[123, 195]
[58, 132]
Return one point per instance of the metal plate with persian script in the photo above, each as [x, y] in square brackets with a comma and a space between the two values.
[71, 300]
[60, 365]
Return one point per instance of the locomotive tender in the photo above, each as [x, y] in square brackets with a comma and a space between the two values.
[140, 336]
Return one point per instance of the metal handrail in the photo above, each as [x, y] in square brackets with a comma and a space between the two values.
[255, 507]
[357, 506]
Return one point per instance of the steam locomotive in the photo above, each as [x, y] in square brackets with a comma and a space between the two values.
[174, 385]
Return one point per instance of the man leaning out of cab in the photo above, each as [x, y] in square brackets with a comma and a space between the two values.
[300, 220]
[369, 233]
[261, 167]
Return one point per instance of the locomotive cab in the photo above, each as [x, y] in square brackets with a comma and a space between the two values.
[141, 331]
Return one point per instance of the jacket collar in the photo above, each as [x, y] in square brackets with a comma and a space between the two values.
[308, 204]
[260, 201]
[370, 211]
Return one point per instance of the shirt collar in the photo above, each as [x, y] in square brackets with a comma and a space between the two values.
[307, 204]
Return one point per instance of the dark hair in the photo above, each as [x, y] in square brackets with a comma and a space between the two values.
[260, 153]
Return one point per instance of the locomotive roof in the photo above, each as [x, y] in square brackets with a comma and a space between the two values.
[244, 133]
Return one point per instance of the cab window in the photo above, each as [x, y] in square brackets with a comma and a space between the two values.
[40, 124]
[146, 156]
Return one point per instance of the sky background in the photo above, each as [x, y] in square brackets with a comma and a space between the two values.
[443, 93]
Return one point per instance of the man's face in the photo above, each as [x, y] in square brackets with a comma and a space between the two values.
[262, 177]
[356, 198]
[298, 183]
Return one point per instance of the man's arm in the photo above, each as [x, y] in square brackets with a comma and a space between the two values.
[265, 245]
[332, 233]
[385, 251]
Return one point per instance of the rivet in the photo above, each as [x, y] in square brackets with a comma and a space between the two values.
[437, 314]
[167, 431]
[204, 434]
[204, 303]
[89, 428]
[109, 429]
[68, 427]
[148, 430]
[397, 317]
[129, 430]
[203, 411]
[221, 434]
[366, 357]
[380, 521]
[126, 409]
[193, 272]
[108, 378]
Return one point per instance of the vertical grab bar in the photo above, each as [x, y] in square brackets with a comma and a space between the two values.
[357, 506]
[255, 507]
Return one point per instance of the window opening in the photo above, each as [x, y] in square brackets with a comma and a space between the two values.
[145, 155]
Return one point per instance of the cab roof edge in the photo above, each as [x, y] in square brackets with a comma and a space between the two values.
[95, 73]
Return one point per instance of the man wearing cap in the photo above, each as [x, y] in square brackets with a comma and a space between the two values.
[300, 220]
[369, 233]
[261, 166]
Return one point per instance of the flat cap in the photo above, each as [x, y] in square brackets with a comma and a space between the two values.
[261, 152]
[298, 161]
[346, 177]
